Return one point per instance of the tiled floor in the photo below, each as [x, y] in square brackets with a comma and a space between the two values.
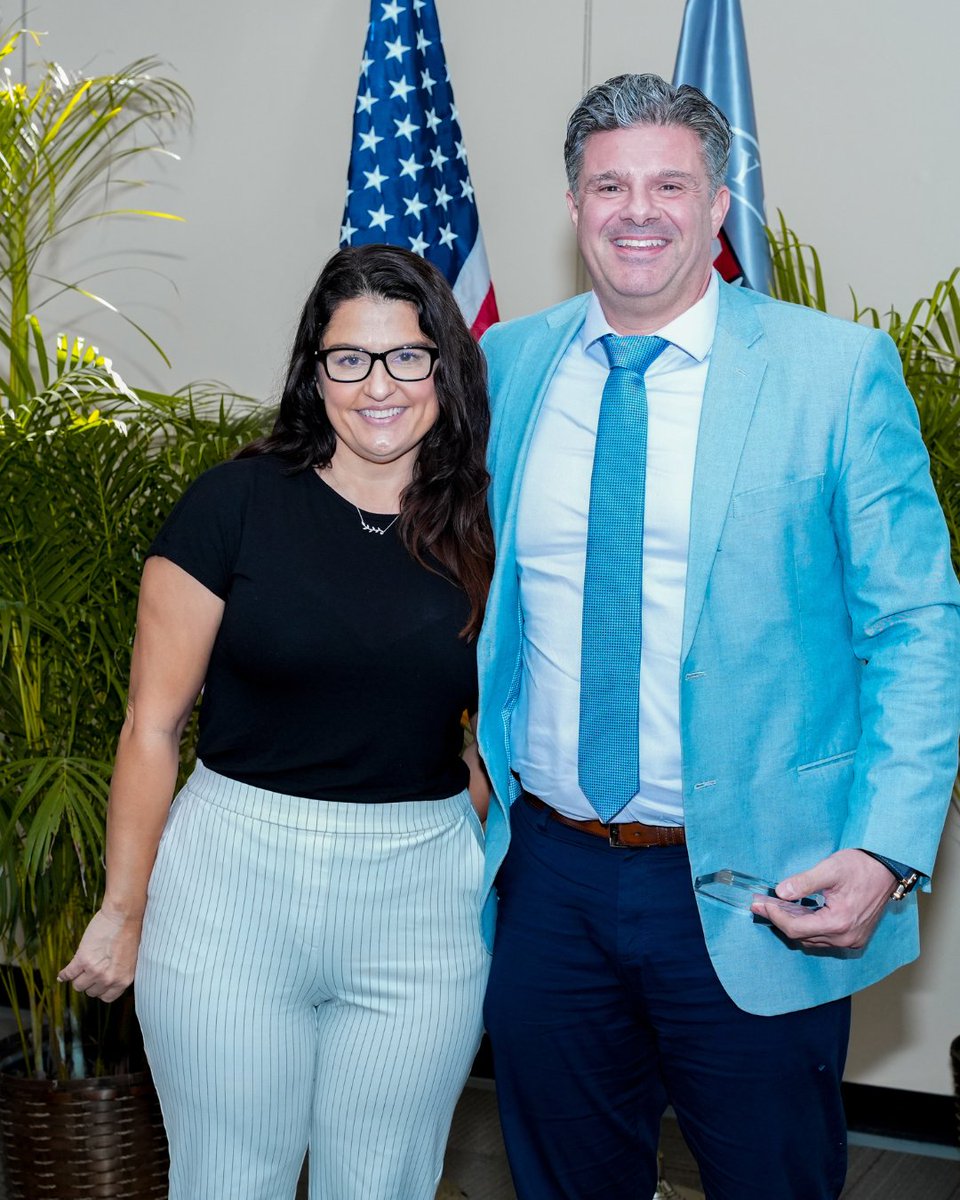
[476, 1168]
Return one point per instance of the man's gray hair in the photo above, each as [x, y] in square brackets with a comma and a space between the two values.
[627, 100]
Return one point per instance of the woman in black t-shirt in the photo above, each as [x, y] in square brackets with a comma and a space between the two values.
[309, 963]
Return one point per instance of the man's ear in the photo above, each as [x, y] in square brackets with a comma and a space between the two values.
[572, 208]
[719, 208]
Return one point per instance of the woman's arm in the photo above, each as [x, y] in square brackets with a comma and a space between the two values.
[479, 785]
[177, 622]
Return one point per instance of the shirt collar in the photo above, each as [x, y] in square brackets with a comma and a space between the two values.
[692, 332]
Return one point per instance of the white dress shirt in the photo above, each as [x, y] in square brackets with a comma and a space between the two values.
[551, 552]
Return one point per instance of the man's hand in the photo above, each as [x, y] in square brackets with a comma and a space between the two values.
[856, 888]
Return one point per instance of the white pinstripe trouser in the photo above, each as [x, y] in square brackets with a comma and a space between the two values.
[310, 973]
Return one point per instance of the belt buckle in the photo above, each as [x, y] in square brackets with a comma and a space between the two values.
[613, 837]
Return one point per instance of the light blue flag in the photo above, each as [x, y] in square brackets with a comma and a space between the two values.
[713, 57]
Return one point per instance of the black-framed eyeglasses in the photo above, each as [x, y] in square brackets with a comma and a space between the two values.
[351, 364]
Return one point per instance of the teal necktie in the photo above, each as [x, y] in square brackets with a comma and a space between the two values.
[612, 582]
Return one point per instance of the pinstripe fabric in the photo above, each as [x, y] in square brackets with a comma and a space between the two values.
[310, 972]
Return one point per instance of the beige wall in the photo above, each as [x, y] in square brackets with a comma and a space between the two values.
[856, 109]
[903, 1026]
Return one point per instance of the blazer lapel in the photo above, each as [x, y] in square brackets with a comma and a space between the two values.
[737, 367]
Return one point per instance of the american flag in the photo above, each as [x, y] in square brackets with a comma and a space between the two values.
[408, 182]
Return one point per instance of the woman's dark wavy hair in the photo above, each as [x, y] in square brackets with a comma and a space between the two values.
[443, 511]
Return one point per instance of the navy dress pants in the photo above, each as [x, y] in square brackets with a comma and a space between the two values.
[603, 1008]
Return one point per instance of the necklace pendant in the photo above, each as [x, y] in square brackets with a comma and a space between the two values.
[375, 528]
[371, 528]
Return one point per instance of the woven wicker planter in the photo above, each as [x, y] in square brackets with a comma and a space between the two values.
[87, 1139]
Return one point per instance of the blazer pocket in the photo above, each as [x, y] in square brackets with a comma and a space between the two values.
[834, 760]
[779, 496]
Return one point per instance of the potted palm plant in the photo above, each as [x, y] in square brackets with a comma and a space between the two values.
[88, 467]
[87, 471]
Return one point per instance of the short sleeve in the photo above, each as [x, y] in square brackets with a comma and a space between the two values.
[202, 535]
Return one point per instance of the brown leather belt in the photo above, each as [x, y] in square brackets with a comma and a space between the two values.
[629, 835]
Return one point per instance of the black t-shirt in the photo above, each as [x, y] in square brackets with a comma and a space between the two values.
[337, 672]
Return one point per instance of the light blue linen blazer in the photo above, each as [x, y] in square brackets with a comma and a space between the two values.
[819, 698]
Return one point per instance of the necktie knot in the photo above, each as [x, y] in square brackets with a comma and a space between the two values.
[632, 353]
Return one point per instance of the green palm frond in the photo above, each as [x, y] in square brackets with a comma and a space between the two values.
[66, 143]
[797, 274]
[52, 796]
[88, 470]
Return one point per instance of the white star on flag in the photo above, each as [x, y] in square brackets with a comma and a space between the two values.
[447, 236]
[366, 102]
[375, 179]
[418, 245]
[401, 88]
[379, 217]
[391, 11]
[410, 166]
[396, 49]
[368, 140]
[405, 128]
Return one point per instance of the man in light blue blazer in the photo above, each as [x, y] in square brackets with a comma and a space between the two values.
[790, 672]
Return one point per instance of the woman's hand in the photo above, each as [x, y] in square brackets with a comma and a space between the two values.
[177, 623]
[106, 958]
[479, 785]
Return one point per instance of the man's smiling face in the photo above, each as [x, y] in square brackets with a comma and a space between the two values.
[645, 223]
